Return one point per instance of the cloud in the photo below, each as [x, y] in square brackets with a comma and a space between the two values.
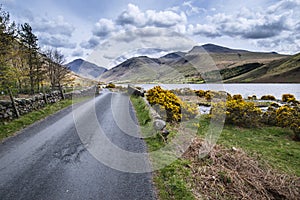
[286, 5]
[56, 26]
[287, 44]
[134, 16]
[90, 44]
[56, 41]
[103, 27]
[204, 30]
[77, 53]
[191, 9]
[244, 24]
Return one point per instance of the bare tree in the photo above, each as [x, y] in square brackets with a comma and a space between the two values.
[56, 70]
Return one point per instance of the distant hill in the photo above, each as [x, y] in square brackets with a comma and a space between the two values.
[200, 64]
[85, 68]
[286, 70]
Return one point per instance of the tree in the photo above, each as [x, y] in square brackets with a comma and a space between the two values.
[56, 70]
[29, 41]
[7, 38]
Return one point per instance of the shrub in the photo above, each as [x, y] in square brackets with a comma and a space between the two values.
[238, 112]
[268, 97]
[170, 106]
[209, 95]
[253, 97]
[110, 85]
[288, 98]
[269, 117]
[237, 97]
[200, 93]
[287, 116]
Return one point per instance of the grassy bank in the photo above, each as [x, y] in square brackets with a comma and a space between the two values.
[271, 144]
[171, 182]
[9, 128]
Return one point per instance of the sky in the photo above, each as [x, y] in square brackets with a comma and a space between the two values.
[107, 32]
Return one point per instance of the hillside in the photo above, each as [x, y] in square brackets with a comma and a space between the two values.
[85, 68]
[200, 64]
[286, 70]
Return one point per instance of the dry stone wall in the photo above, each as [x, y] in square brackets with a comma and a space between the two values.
[37, 102]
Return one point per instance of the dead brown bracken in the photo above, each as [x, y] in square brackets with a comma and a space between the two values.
[232, 174]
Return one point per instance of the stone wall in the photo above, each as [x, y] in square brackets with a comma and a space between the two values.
[37, 102]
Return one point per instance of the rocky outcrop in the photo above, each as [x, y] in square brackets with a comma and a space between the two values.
[135, 91]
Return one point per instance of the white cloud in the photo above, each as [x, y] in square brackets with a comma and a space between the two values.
[165, 18]
[90, 44]
[204, 30]
[245, 24]
[191, 9]
[56, 26]
[55, 41]
[134, 16]
[285, 5]
[103, 27]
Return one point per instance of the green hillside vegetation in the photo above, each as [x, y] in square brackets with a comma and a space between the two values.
[286, 70]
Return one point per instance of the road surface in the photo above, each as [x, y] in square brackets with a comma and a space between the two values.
[52, 159]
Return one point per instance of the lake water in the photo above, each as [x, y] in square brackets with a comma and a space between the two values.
[247, 89]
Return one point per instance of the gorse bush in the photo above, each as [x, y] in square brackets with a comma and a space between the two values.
[268, 97]
[287, 116]
[288, 98]
[269, 117]
[238, 112]
[200, 93]
[170, 106]
[253, 97]
[110, 85]
[237, 97]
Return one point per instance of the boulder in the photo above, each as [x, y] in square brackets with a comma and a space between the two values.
[159, 124]
[134, 91]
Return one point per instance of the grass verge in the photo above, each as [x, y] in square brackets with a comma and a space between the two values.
[171, 182]
[271, 144]
[9, 128]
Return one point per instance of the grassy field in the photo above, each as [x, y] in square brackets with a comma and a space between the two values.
[9, 128]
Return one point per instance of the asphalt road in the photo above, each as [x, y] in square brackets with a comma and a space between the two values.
[53, 159]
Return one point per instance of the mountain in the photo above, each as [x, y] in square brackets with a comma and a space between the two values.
[85, 68]
[204, 64]
[212, 48]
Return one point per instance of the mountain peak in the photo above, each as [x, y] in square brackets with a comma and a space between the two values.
[212, 48]
[85, 68]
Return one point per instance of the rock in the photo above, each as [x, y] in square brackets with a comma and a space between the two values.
[134, 91]
[159, 124]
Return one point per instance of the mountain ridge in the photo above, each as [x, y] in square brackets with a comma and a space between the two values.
[85, 68]
[183, 67]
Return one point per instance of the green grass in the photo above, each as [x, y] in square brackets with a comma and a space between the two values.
[271, 144]
[171, 181]
[10, 128]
